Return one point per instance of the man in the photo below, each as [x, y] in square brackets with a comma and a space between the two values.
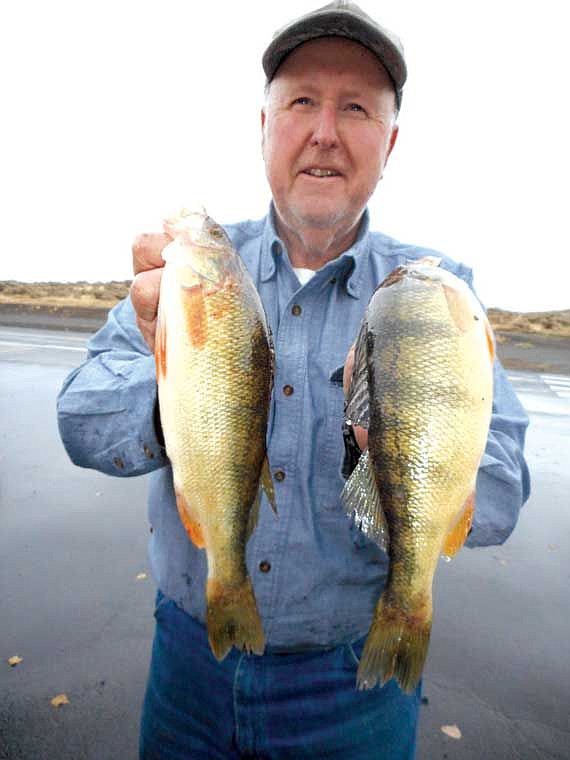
[334, 88]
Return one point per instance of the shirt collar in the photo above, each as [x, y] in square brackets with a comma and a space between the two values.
[271, 246]
[351, 263]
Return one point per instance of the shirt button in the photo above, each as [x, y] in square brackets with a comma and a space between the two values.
[265, 566]
[296, 310]
[279, 475]
[288, 390]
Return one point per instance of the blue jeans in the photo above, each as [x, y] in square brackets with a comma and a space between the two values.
[302, 705]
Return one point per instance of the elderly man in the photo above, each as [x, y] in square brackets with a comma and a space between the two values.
[334, 88]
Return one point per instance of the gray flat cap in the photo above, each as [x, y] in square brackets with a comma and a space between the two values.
[340, 19]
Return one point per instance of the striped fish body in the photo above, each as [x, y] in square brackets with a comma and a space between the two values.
[214, 372]
[424, 356]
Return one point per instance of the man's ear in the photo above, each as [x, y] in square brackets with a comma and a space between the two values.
[263, 120]
[393, 138]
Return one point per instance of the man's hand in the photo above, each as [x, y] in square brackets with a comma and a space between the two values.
[145, 289]
[360, 433]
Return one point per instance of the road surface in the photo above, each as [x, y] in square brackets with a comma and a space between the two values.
[76, 606]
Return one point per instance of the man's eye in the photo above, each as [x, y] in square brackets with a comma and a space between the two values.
[302, 101]
[356, 107]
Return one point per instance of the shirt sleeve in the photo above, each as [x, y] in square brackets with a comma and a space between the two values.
[107, 407]
[503, 480]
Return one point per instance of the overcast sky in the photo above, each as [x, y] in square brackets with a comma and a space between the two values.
[115, 114]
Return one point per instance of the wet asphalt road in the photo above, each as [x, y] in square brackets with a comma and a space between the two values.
[73, 543]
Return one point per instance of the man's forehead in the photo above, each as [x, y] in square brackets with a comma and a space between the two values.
[333, 56]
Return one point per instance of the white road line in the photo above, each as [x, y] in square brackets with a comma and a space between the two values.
[41, 345]
[544, 404]
[558, 384]
[40, 336]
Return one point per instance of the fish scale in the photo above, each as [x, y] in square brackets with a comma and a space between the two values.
[422, 386]
[214, 371]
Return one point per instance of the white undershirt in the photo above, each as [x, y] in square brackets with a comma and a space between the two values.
[303, 275]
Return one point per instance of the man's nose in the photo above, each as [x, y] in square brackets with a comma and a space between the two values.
[325, 132]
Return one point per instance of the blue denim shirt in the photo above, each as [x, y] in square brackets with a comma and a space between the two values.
[325, 577]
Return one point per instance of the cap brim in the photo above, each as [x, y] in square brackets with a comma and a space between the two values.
[335, 24]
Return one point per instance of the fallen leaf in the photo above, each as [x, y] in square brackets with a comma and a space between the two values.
[503, 562]
[15, 660]
[552, 547]
[60, 699]
[452, 731]
[141, 576]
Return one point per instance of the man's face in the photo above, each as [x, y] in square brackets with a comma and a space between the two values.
[328, 129]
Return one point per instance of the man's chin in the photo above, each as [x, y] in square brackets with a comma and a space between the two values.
[321, 218]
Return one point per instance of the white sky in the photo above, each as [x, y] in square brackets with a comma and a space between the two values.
[114, 114]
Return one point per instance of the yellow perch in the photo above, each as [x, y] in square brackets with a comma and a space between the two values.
[422, 385]
[214, 371]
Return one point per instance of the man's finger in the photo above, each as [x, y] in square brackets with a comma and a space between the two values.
[148, 331]
[147, 250]
[145, 292]
[361, 436]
